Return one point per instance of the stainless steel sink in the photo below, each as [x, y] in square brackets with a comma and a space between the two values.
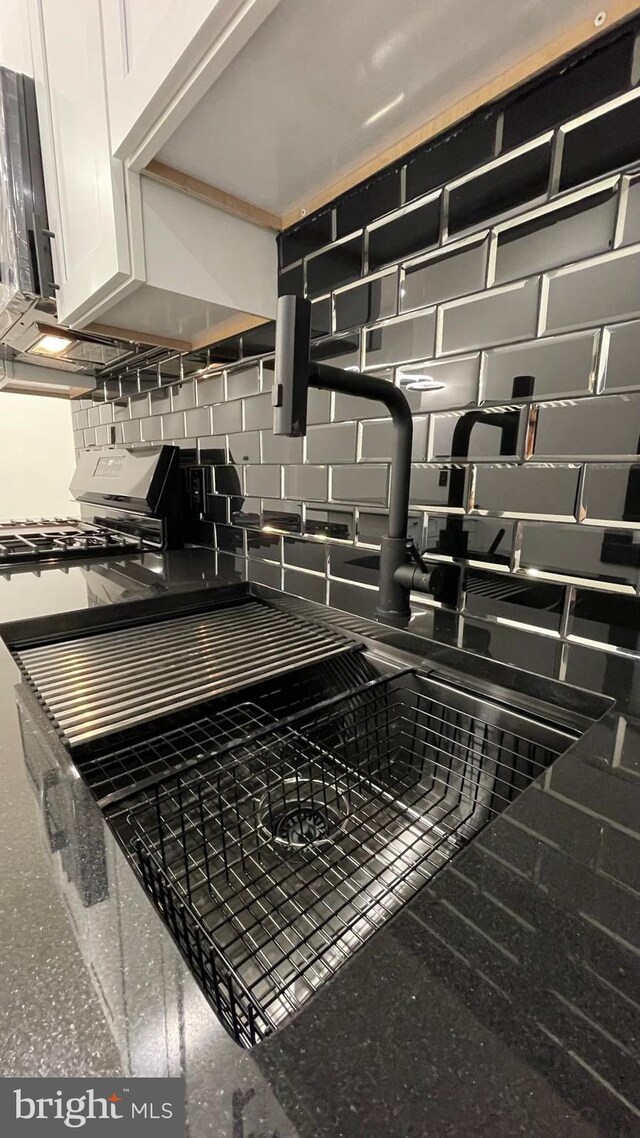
[274, 858]
[283, 787]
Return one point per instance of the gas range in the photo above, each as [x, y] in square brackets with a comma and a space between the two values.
[46, 539]
[130, 502]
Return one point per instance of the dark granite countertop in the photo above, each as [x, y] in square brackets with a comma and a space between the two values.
[502, 1000]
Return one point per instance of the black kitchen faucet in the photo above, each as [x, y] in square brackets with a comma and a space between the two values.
[401, 567]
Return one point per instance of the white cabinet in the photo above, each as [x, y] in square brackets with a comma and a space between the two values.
[130, 254]
[161, 56]
[84, 184]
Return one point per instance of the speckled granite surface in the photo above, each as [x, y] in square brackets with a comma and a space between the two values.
[503, 1000]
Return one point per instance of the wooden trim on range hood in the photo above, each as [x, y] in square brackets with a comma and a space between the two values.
[212, 195]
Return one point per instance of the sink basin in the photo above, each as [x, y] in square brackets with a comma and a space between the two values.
[319, 808]
[283, 787]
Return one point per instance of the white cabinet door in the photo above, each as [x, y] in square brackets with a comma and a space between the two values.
[161, 56]
[84, 183]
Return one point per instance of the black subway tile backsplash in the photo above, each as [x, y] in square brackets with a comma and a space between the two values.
[441, 487]
[366, 203]
[335, 442]
[228, 480]
[262, 480]
[311, 234]
[449, 273]
[511, 645]
[564, 233]
[495, 595]
[509, 311]
[605, 142]
[309, 483]
[130, 433]
[494, 317]
[414, 228]
[448, 383]
[227, 417]
[330, 521]
[335, 266]
[246, 512]
[540, 369]
[372, 525]
[474, 539]
[138, 404]
[623, 356]
[307, 585]
[285, 517]
[258, 412]
[612, 620]
[501, 187]
[367, 301]
[405, 338]
[468, 145]
[631, 228]
[580, 86]
[352, 598]
[265, 546]
[265, 573]
[151, 429]
[378, 439]
[279, 448]
[601, 554]
[364, 483]
[244, 447]
[526, 491]
[230, 538]
[603, 427]
[339, 351]
[612, 493]
[198, 421]
[305, 554]
[160, 401]
[359, 565]
[595, 292]
[243, 381]
[173, 428]
[259, 340]
[320, 316]
[291, 281]
[208, 391]
[479, 435]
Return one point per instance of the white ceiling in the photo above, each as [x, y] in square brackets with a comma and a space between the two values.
[325, 84]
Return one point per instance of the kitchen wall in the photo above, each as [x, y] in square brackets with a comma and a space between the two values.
[495, 273]
[15, 42]
[36, 457]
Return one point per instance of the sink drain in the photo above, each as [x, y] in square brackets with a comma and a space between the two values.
[302, 815]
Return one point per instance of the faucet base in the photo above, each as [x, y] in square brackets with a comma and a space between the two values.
[393, 602]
